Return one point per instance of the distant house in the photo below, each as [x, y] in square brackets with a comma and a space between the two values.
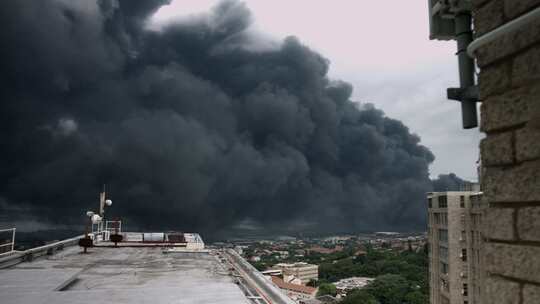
[304, 271]
[295, 291]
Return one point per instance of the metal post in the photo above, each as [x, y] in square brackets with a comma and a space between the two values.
[466, 69]
[13, 239]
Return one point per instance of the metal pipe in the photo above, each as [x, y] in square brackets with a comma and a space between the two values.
[503, 30]
[466, 69]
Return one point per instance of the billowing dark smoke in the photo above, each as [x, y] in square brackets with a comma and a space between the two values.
[449, 182]
[191, 127]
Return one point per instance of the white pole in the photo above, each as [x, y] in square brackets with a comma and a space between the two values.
[13, 240]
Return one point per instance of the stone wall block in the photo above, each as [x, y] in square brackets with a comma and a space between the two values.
[531, 294]
[514, 8]
[516, 184]
[494, 80]
[527, 143]
[516, 261]
[528, 224]
[500, 291]
[526, 68]
[488, 17]
[508, 110]
[499, 223]
[497, 149]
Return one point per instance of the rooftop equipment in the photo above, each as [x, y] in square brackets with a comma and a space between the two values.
[8, 245]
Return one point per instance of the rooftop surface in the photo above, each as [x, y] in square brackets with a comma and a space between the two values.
[120, 275]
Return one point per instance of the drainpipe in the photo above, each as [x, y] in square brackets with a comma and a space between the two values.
[467, 93]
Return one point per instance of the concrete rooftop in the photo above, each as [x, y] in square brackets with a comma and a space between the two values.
[120, 275]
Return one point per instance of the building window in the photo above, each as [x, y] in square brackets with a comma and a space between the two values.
[443, 235]
[463, 235]
[444, 268]
[465, 289]
[429, 202]
[443, 253]
[462, 201]
[464, 255]
[443, 201]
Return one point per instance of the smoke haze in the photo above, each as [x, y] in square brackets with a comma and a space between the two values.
[449, 182]
[193, 126]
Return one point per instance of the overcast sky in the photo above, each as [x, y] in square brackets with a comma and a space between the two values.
[383, 49]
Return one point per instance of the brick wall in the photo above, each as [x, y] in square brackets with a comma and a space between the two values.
[509, 83]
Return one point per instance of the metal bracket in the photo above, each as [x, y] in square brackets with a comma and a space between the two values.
[463, 94]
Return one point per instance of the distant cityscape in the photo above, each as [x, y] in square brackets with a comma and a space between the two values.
[335, 268]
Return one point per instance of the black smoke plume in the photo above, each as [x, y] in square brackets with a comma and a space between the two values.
[192, 126]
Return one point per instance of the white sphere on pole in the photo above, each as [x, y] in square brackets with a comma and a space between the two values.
[108, 202]
[96, 219]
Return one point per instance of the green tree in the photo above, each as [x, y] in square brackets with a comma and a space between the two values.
[327, 289]
[416, 297]
[389, 289]
[359, 297]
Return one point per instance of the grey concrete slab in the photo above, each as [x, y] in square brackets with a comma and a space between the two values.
[120, 275]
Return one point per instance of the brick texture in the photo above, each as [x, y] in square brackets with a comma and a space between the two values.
[531, 294]
[500, 291]
[517, 261]
[516, 184]
[499, 223]
[498, 149]
[509, 109]
[514, 8]
[509, 84]
[528, 143]
[528, 224]
[488, 17]
[494, 80]
[513, 108]
[526, 68]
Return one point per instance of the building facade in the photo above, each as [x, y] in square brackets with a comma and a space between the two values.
[454, 237]
[303, 271]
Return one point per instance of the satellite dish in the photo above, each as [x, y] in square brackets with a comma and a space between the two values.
[89, 213]
[108, 202]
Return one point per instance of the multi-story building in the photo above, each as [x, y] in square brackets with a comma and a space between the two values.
[454, 236]
[303, 271]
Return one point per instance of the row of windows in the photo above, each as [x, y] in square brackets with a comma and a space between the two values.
[440, 218]
[443, 201]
